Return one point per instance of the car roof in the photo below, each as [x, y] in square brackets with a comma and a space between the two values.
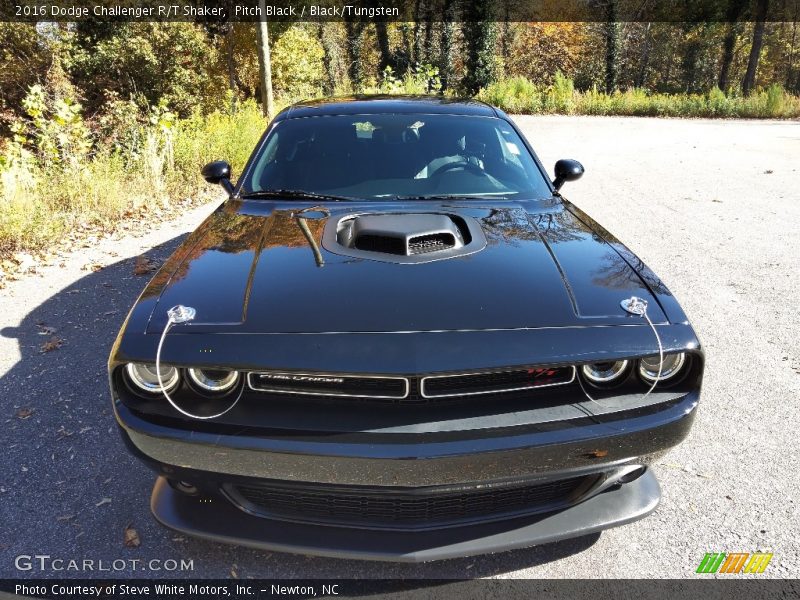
[365, 105]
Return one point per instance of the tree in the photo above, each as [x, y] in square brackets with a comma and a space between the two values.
[149, 62]
[612, 28]
[446, 70]
[264, 64]
[735, 9]
[749, 81]
[480, 35]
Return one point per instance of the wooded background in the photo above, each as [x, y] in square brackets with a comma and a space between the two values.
[103, 122]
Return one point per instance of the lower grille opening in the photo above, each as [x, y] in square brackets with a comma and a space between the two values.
[425, 508]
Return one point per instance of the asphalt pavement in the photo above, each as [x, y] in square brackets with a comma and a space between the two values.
[713, 207]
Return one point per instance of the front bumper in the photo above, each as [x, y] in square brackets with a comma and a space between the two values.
[522, 452]
[223, 522]
[607, 448]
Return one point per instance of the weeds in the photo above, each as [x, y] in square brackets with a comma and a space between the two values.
[518, 95]
[43, 197]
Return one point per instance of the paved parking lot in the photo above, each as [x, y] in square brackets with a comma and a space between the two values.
[712, 206]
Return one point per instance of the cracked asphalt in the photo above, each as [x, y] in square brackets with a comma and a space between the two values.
[712, 206]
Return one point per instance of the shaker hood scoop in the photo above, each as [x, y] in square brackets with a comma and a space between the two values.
[520, 271]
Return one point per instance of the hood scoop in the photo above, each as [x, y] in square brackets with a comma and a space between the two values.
[404, 237]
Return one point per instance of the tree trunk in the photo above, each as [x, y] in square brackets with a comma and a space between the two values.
[264, 64]
[612, 46]
[727, 57]
[735, 9]
[644, 61]
[328, 58]
[382, 36]
[231, 65]
[417, 38]
[749, 81]
[480, 36]
[790, 59]
[446, 47]
[354, 31]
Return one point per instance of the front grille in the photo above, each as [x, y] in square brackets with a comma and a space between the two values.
[444, 386]
[321, 384]
[405, 509]
[413, 390]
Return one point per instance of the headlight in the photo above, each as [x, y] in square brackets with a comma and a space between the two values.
[670, 367]
[604, 372]
[145, 378]
[213, 380]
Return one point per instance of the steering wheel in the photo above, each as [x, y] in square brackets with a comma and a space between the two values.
[466, 165]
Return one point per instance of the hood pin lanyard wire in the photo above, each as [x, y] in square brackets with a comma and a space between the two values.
[177, 315]
[637, 306]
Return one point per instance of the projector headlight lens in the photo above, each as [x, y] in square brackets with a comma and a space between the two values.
[605, 372]
[213, 380]
[145, 377]
[670, 367]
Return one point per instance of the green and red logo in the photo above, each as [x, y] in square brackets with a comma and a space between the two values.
[734, 562]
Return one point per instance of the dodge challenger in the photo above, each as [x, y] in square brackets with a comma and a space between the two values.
[396, 340]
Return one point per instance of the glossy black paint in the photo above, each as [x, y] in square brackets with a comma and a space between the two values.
[218, 172]
[545, 290]
[567, 170]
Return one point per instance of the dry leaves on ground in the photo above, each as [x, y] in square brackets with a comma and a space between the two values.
[54, 343]
[24, 413]
[144, 266]
[131, 538]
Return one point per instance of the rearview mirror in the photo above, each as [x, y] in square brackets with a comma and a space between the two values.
[218, 173]
[567, 170]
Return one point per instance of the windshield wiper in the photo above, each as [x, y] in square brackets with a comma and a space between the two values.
[453, 197]
[297, 195]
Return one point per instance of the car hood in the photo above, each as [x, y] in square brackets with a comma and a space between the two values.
[252, 268]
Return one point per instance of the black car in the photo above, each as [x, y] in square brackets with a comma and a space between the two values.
[396, 340]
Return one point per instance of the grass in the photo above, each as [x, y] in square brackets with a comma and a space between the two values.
[41, 205]
[520, 96]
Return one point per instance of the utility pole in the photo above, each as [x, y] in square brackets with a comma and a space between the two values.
[264, 65]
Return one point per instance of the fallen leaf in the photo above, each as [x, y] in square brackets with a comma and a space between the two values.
[104, 501]
[144, 266]
[24, 413]
[234, 574]
[131, 538]
[93, 267]
[52, 344]
[45, 330]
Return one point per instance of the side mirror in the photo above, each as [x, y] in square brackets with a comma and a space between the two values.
[567, 170]
[218, 173]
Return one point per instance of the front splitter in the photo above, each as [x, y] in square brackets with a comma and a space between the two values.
[221, 521]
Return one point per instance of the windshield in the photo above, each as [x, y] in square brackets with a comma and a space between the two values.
[386, 156]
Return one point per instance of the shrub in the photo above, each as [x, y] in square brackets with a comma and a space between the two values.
[41, 200]
[520, 95]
